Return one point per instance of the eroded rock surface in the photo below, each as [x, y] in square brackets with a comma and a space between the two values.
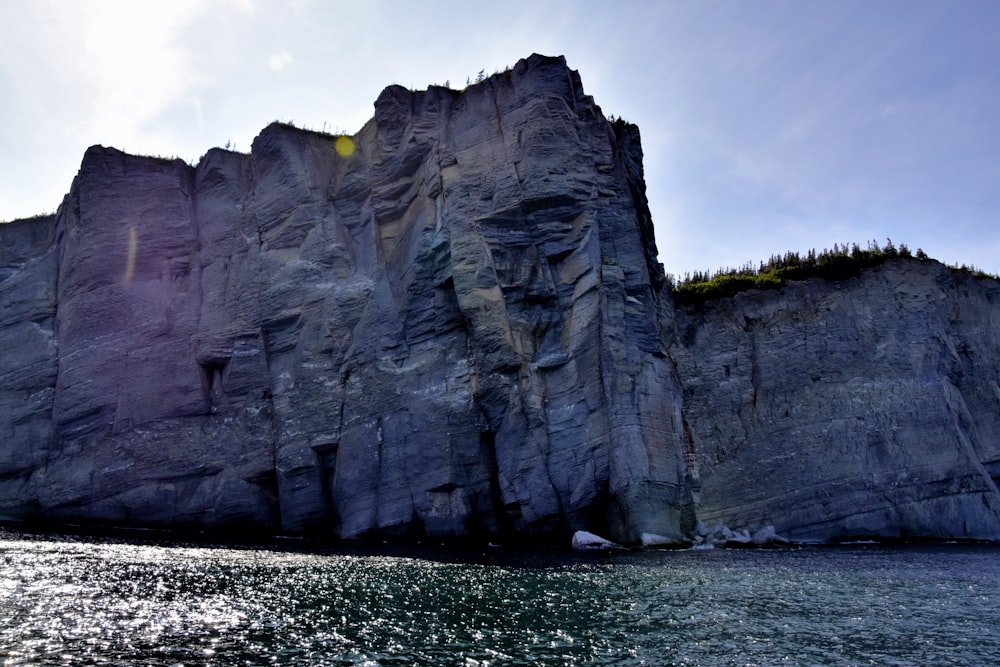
[455, 325]
[28, 356]
[452, 330]
[867, 408]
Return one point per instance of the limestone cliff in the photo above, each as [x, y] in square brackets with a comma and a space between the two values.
[453, 323]
[447, 326]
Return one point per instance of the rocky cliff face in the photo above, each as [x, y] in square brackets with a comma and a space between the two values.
[455, 325]
[448, 326]
[863, 408]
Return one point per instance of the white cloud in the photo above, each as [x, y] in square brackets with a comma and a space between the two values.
[245, 6]
[278, 61]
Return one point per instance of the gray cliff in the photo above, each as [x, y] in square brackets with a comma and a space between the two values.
[453, 330]
[456, 326]
[863, 408]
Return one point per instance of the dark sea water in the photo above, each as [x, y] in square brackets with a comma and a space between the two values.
[85, 601]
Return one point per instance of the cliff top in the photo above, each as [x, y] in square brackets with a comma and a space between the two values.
[840, 263]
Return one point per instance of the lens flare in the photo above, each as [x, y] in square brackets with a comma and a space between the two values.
[133, 245]
[344, 146]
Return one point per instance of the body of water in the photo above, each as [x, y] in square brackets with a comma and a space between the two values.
[68, 600]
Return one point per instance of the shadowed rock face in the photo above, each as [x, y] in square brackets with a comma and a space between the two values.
[457, 326]
[28, 356]
[857, 409]
[453, 330]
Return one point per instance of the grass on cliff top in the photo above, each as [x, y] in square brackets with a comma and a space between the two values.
[30, 219]
[841, 263]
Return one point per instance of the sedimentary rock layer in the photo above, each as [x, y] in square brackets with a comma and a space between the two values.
[453, 324]
[447, 326]
[864, 408]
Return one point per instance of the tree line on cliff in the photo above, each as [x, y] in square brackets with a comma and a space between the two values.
[840, 263]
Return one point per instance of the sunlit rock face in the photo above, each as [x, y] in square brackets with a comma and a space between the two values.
[453, 324]
[448, 326]
[867, 408]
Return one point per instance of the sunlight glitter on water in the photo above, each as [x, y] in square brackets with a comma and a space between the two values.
[72, 602]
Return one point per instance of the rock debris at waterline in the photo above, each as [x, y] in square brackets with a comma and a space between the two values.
[459, 328]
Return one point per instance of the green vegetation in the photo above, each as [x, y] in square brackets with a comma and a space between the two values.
[841, 263]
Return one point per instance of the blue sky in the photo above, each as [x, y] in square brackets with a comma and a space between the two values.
[767, 125]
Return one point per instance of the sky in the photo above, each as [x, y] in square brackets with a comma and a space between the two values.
[767, 125]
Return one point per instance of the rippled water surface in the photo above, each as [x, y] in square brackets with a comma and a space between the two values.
[71, 600]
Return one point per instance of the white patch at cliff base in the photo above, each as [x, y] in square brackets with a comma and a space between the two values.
[584, 541]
